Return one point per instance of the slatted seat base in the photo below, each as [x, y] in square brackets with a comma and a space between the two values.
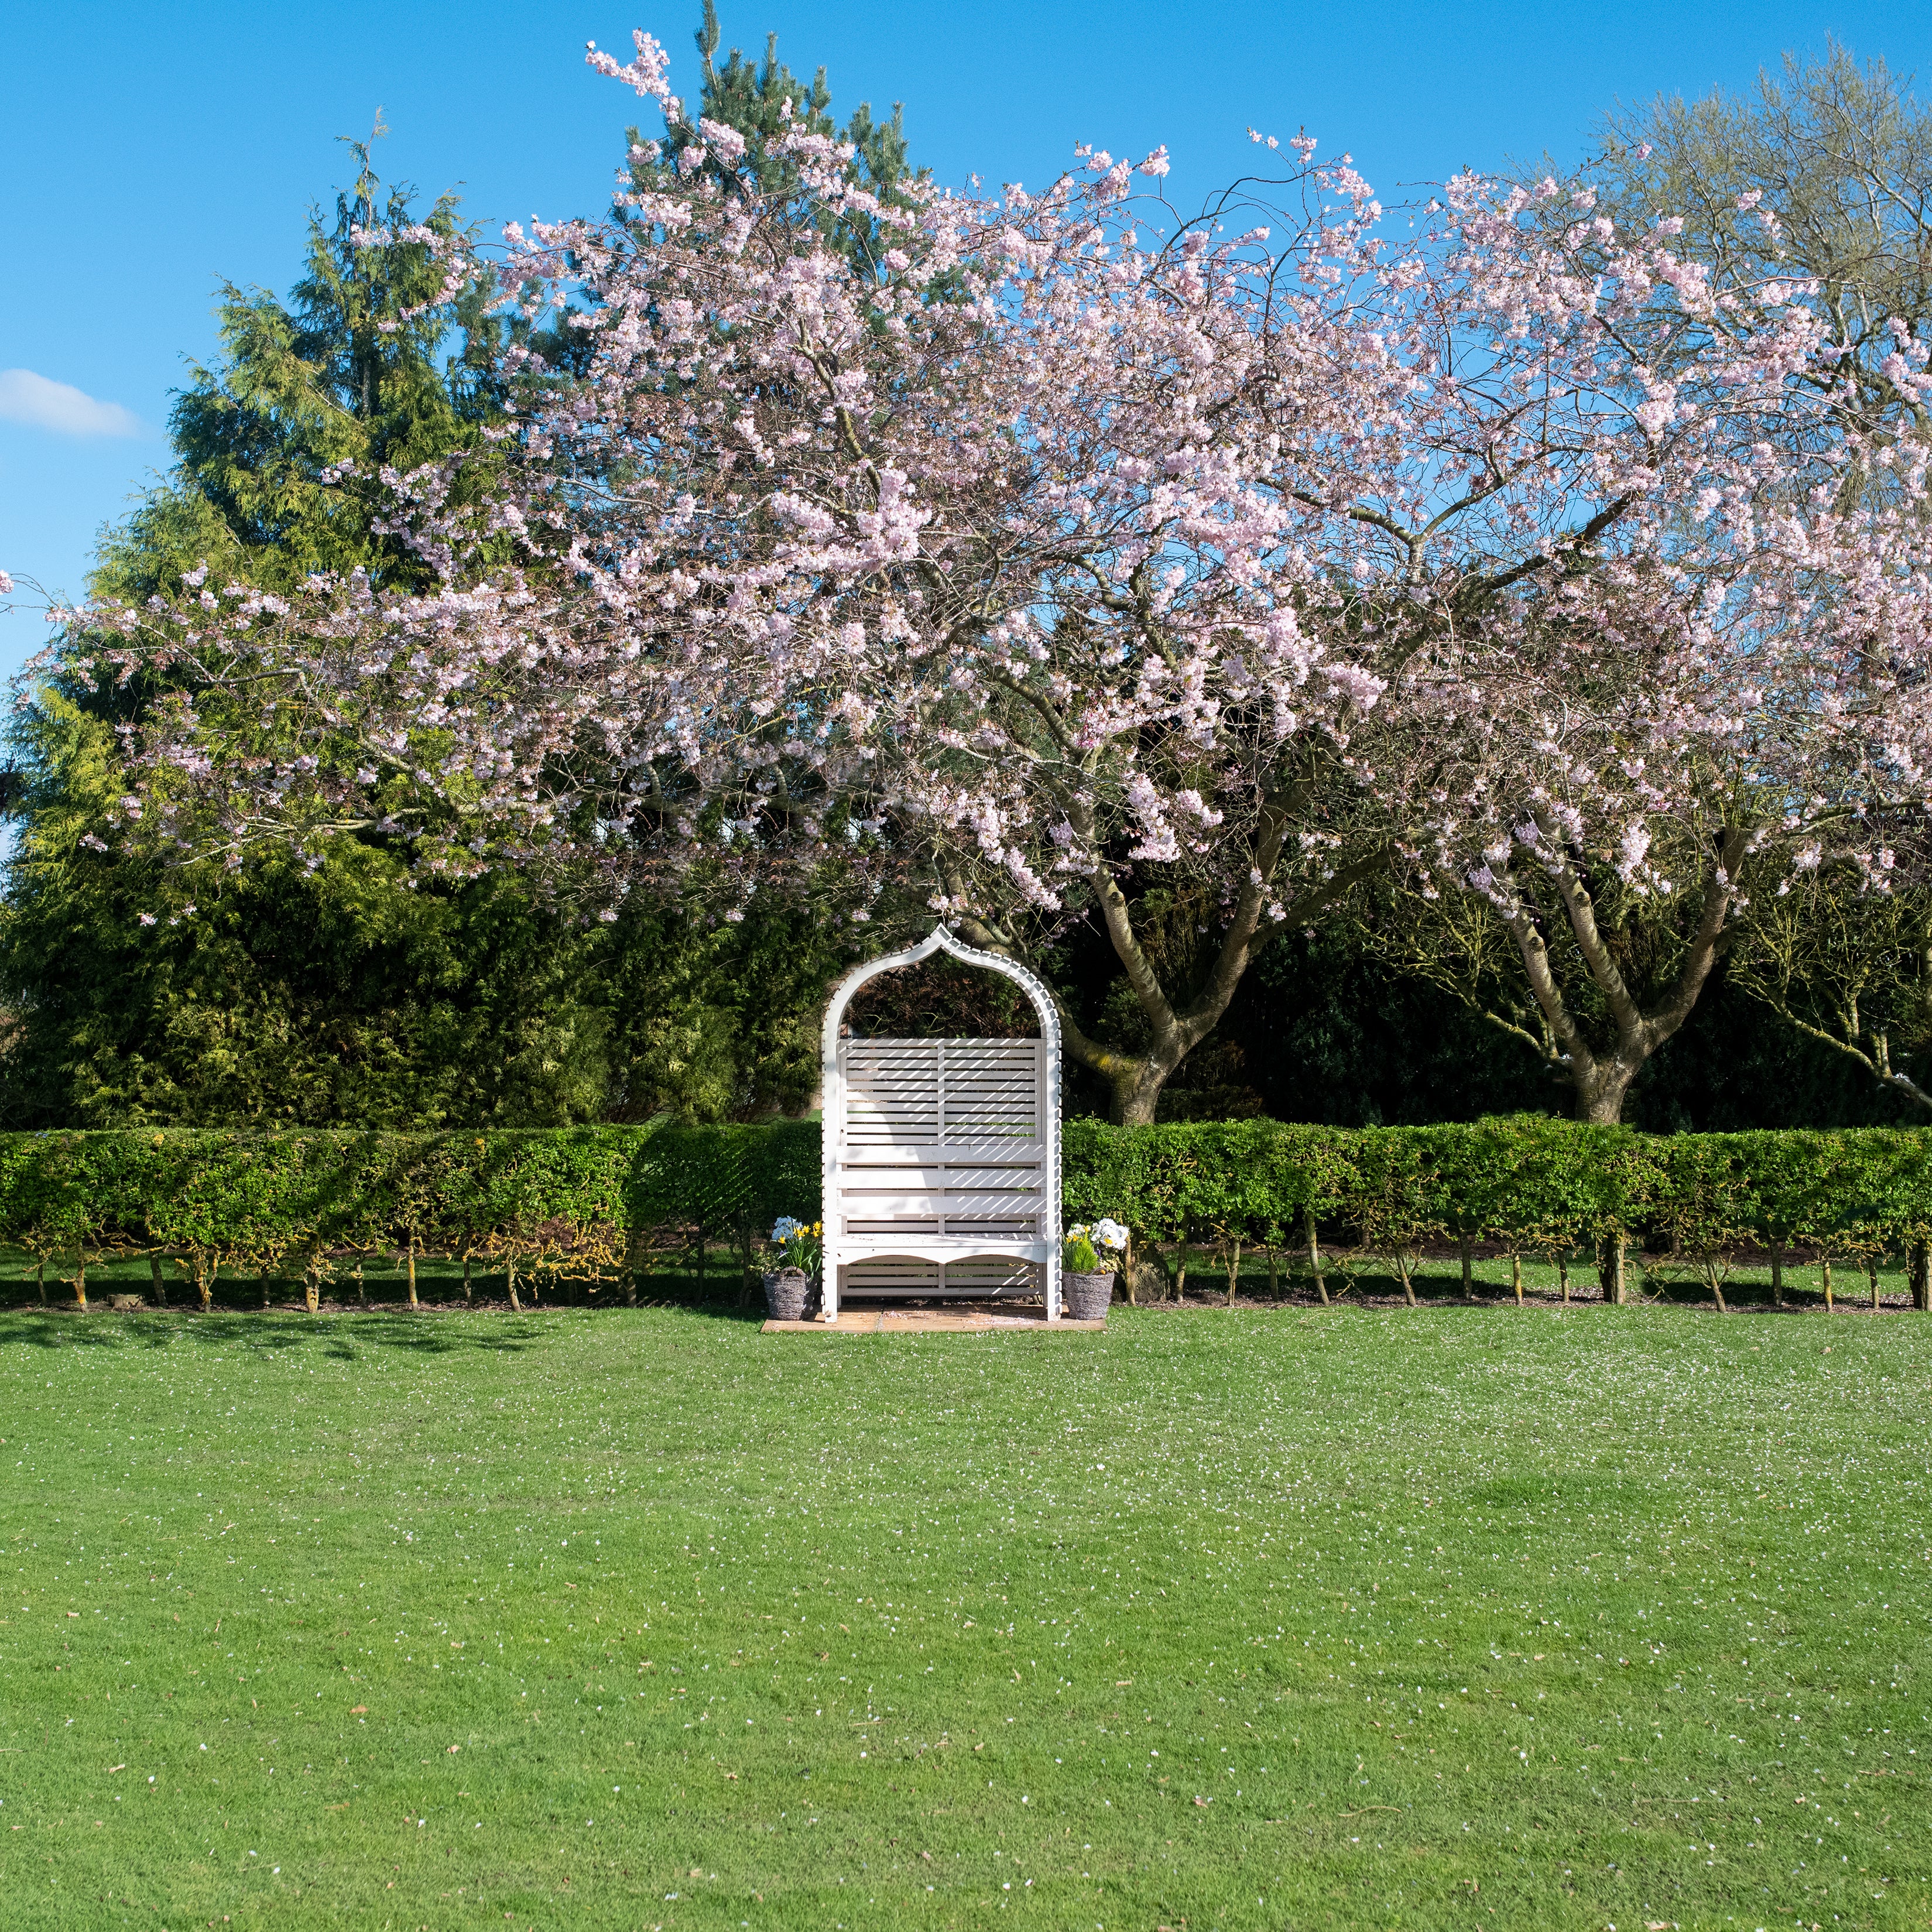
[942, 1156]
[880, 1268]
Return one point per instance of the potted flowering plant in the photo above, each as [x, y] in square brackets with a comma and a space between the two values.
[788, 1286]
[1088, 1259]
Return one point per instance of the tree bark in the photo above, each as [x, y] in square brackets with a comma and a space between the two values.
[411, 1255]
[1314, 1255]
[514, 1302]
[1610, 1269]
[80, 1279]
[1776, 1275]
[1921, 1277]
[1408, 1285]
[160, 1284]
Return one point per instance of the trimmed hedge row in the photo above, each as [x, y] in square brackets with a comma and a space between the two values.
[588, 1199]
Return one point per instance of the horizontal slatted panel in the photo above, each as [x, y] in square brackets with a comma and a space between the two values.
[991, 1276]
[992, 1091]
[889, 1277]
[905, 1280]
[892, 1092]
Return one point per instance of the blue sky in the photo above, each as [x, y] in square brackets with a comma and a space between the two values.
[148, 153]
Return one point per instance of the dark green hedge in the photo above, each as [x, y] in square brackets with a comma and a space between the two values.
[281, 1202]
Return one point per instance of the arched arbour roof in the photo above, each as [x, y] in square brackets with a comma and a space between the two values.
[939, 940]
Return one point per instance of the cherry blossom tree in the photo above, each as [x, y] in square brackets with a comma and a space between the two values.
[1000, 553]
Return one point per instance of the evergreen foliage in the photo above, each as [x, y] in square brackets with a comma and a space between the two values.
[274, 990]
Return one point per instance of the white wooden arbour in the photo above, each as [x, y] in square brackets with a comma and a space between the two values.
[941, 1156]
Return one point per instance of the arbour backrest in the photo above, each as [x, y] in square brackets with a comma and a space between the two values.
[944, 1137]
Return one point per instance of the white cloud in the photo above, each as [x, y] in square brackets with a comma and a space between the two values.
[25, 397]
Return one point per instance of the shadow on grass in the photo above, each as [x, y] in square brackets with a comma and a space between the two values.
[442, 1325]
[339, 1334]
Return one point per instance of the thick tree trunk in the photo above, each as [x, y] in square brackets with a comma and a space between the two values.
[1135, 1079]
[1600, 1092]
[1600, 1076]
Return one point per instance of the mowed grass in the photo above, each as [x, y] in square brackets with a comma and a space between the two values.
[1254, 1618]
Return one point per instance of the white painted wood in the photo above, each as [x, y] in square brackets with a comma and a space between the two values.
[941, 1160]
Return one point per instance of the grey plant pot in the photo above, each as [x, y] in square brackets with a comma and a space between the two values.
[1088, 1295]
[787, 1295]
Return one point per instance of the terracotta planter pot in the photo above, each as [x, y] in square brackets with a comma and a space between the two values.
[1086, 1296]
[788, 1294]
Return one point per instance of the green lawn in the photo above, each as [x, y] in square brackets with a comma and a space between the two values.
[1452, 1617]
